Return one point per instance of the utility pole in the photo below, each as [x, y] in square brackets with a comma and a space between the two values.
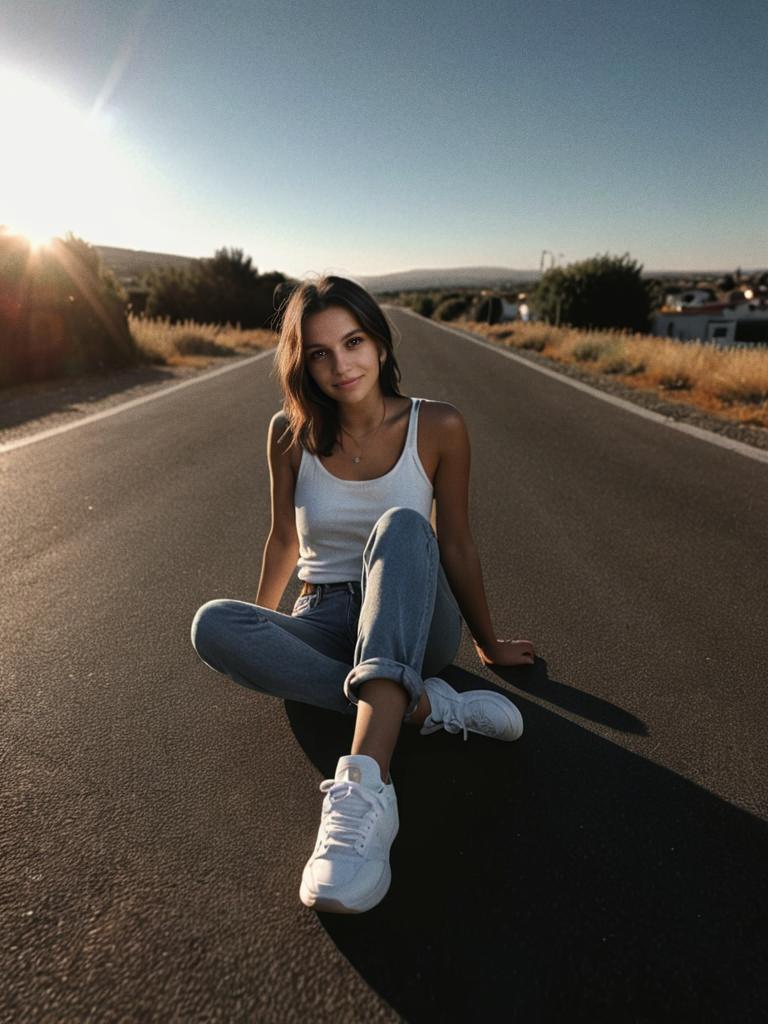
[545, 252]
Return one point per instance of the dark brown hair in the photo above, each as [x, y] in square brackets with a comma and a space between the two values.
[313, 420]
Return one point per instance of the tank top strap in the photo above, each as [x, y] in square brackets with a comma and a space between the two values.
[411, 437]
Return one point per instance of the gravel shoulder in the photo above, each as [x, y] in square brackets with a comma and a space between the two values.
[27, 409]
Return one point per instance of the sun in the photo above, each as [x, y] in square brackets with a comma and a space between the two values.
[64, 170]
[54, 162]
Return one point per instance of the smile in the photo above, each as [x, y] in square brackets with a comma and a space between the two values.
[347, 383]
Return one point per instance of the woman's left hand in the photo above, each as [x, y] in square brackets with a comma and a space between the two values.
[506, 652]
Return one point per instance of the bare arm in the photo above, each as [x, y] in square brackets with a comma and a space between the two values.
[458, 553]
[282, 547]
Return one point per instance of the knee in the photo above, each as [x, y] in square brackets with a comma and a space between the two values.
[208, 623]
[401, 519]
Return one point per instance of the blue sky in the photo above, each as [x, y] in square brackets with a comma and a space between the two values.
[360, 138]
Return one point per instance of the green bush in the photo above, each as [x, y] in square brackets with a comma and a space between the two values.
[450, 309]
[588, 351]
[226, 289]
[602, 292]
[487, 310]
[535, 343]
[617, 364]
[418, 302]
[424, 305]
[680, 383]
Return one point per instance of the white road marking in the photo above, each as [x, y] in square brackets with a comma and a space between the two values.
[115, 409]
[758, 454]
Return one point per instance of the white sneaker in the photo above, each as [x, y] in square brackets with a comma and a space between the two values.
[482, 711]
[349, 871]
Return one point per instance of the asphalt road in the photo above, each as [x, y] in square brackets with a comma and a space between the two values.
[611, 865]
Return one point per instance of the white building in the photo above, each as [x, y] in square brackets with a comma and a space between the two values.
[736, 325]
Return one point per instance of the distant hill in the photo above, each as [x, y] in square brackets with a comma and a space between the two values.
[133, 263]
[447, 277]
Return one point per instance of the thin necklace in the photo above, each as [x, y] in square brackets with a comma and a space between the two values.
[357, 458]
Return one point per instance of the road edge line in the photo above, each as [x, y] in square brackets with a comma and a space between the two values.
[115, 409]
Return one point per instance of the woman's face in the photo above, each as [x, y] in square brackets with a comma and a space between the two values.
[339, 356]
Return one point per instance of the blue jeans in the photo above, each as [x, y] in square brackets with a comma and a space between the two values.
[400, 622]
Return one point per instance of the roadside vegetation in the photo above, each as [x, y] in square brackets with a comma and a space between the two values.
[595, 314]
[63, 313]
[193, 344]
[728, 382]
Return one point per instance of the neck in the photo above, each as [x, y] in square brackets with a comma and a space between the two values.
[363, 415]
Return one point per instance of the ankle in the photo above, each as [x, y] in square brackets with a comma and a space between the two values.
[381, 759]
[422, 711]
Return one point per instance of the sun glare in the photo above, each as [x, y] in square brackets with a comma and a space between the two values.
[36, 241]
[62, 170]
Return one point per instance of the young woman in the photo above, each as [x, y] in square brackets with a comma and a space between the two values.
[355, 467]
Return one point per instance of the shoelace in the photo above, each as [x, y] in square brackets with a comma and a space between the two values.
[350, 806]
[454, 724]
[454, 721]
[452, 715]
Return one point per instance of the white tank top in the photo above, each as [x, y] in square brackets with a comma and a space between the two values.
[334, 517]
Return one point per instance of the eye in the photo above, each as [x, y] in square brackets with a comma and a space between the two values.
[355, 341]
[315, 354]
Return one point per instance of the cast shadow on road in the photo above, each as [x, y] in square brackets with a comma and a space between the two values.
[536, 680]
[557, 878]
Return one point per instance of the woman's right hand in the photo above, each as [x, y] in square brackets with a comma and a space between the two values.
[506, 652]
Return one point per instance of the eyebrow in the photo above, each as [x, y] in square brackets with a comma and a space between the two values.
[315, 344]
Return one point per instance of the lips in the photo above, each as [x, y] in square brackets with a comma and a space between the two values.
[347, 383]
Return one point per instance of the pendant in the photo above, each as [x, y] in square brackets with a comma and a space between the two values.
[356, 458]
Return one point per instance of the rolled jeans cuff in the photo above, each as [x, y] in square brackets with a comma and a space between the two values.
[385, 668]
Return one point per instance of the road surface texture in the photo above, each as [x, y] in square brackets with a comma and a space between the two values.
[156, 817]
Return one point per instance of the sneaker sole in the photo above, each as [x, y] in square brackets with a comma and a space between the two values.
[330, 905]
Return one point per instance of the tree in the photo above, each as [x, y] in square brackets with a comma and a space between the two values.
[170, 294]
[224, 289]
[61, 312]
[604, 291]
[450, 309]
[97, 304]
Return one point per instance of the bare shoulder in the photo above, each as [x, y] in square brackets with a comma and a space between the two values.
[441, 430]
[442, 417]
[280, 438]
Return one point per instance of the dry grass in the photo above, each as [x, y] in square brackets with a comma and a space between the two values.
[193, 344]
[732, 383]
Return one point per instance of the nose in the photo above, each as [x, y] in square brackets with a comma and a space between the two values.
[340, 363]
